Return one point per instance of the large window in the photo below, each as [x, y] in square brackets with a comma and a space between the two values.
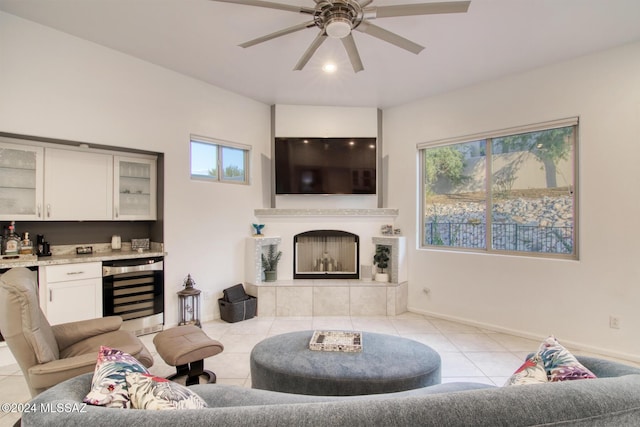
[219, 161]
[510, 192]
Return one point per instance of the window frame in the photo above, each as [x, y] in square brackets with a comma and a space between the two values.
[488, 137]
[220, 145]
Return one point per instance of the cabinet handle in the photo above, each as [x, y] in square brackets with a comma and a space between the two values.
[50, 295]
[39, 210]
[48, 210]
[71, 273]
[117, 213]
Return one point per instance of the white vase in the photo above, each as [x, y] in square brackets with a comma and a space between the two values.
[382, 277]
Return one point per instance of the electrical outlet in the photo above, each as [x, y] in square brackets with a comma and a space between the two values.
[614, 322]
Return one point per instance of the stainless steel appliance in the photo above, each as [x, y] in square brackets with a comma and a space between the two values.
[134, 290]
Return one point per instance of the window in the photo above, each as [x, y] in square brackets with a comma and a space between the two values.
[511, 191]
[219, 161]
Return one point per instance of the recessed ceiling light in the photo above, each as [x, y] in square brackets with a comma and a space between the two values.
[329, 67]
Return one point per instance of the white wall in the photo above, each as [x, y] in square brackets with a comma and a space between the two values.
[532, 296]
[326, 122]
[58, 86]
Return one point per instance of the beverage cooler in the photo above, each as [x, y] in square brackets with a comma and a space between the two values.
[134, 290]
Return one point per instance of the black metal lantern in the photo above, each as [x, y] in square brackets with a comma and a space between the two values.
[189, 303]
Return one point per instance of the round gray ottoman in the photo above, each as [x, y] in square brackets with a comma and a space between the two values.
[386, 364]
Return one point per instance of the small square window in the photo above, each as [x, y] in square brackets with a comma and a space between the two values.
[217, 161]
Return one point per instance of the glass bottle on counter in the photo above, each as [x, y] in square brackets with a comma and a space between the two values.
[11, 242]
[27, 245]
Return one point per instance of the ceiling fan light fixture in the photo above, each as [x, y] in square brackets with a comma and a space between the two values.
[329, 67]
[338, 28]
[337, 19]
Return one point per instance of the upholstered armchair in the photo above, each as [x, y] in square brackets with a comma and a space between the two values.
[49, 354]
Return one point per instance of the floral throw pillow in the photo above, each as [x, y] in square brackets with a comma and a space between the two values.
[531, 372]
[150, 392]
[109, 387]
[560, 364]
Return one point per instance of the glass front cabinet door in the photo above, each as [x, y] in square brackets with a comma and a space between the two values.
[135, 188]
[21, 182]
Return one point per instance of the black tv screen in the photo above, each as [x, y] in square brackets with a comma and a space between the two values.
[325, 165]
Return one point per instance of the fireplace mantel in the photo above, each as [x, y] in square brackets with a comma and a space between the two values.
[335, 297]
[374, 213]
[286, 223]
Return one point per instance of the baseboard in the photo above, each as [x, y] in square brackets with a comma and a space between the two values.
[574, 345]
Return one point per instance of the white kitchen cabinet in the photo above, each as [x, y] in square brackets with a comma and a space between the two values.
[78, 185]
[134, 188]
[74, 184]
[71, 292]
[21, 185]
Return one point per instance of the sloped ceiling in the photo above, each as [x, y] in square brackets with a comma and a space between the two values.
[199, 38]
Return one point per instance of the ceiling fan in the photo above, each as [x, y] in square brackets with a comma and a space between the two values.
[338, 18]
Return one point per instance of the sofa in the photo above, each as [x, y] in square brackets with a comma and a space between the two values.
[613, 399]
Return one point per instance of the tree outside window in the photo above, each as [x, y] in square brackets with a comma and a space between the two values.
[510, 193]
[215, 161]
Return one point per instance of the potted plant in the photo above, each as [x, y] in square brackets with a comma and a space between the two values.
[270, 263]
[381, 259]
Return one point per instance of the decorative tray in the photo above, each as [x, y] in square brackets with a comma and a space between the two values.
[346, 341]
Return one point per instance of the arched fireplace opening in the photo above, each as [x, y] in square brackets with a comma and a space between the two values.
[326, 254]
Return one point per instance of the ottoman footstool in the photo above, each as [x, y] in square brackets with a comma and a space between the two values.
[386, 364]
[186, 347]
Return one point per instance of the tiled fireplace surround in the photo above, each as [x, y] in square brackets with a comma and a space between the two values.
[327, 297]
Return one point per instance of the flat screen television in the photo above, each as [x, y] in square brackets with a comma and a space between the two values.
[325, 165]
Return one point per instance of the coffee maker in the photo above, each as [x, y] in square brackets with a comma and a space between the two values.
[43, 246]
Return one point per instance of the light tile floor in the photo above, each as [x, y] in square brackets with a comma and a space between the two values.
[468, 353]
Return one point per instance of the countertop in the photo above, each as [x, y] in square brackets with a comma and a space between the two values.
[62, 255]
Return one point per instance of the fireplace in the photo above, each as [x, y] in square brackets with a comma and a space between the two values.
[326, 254]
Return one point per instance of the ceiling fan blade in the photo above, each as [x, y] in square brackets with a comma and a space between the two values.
[364, 3]
[417, 9]
[315, 44]
[271, 5]
[286, 31]
[389, 37]
[350, 46]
